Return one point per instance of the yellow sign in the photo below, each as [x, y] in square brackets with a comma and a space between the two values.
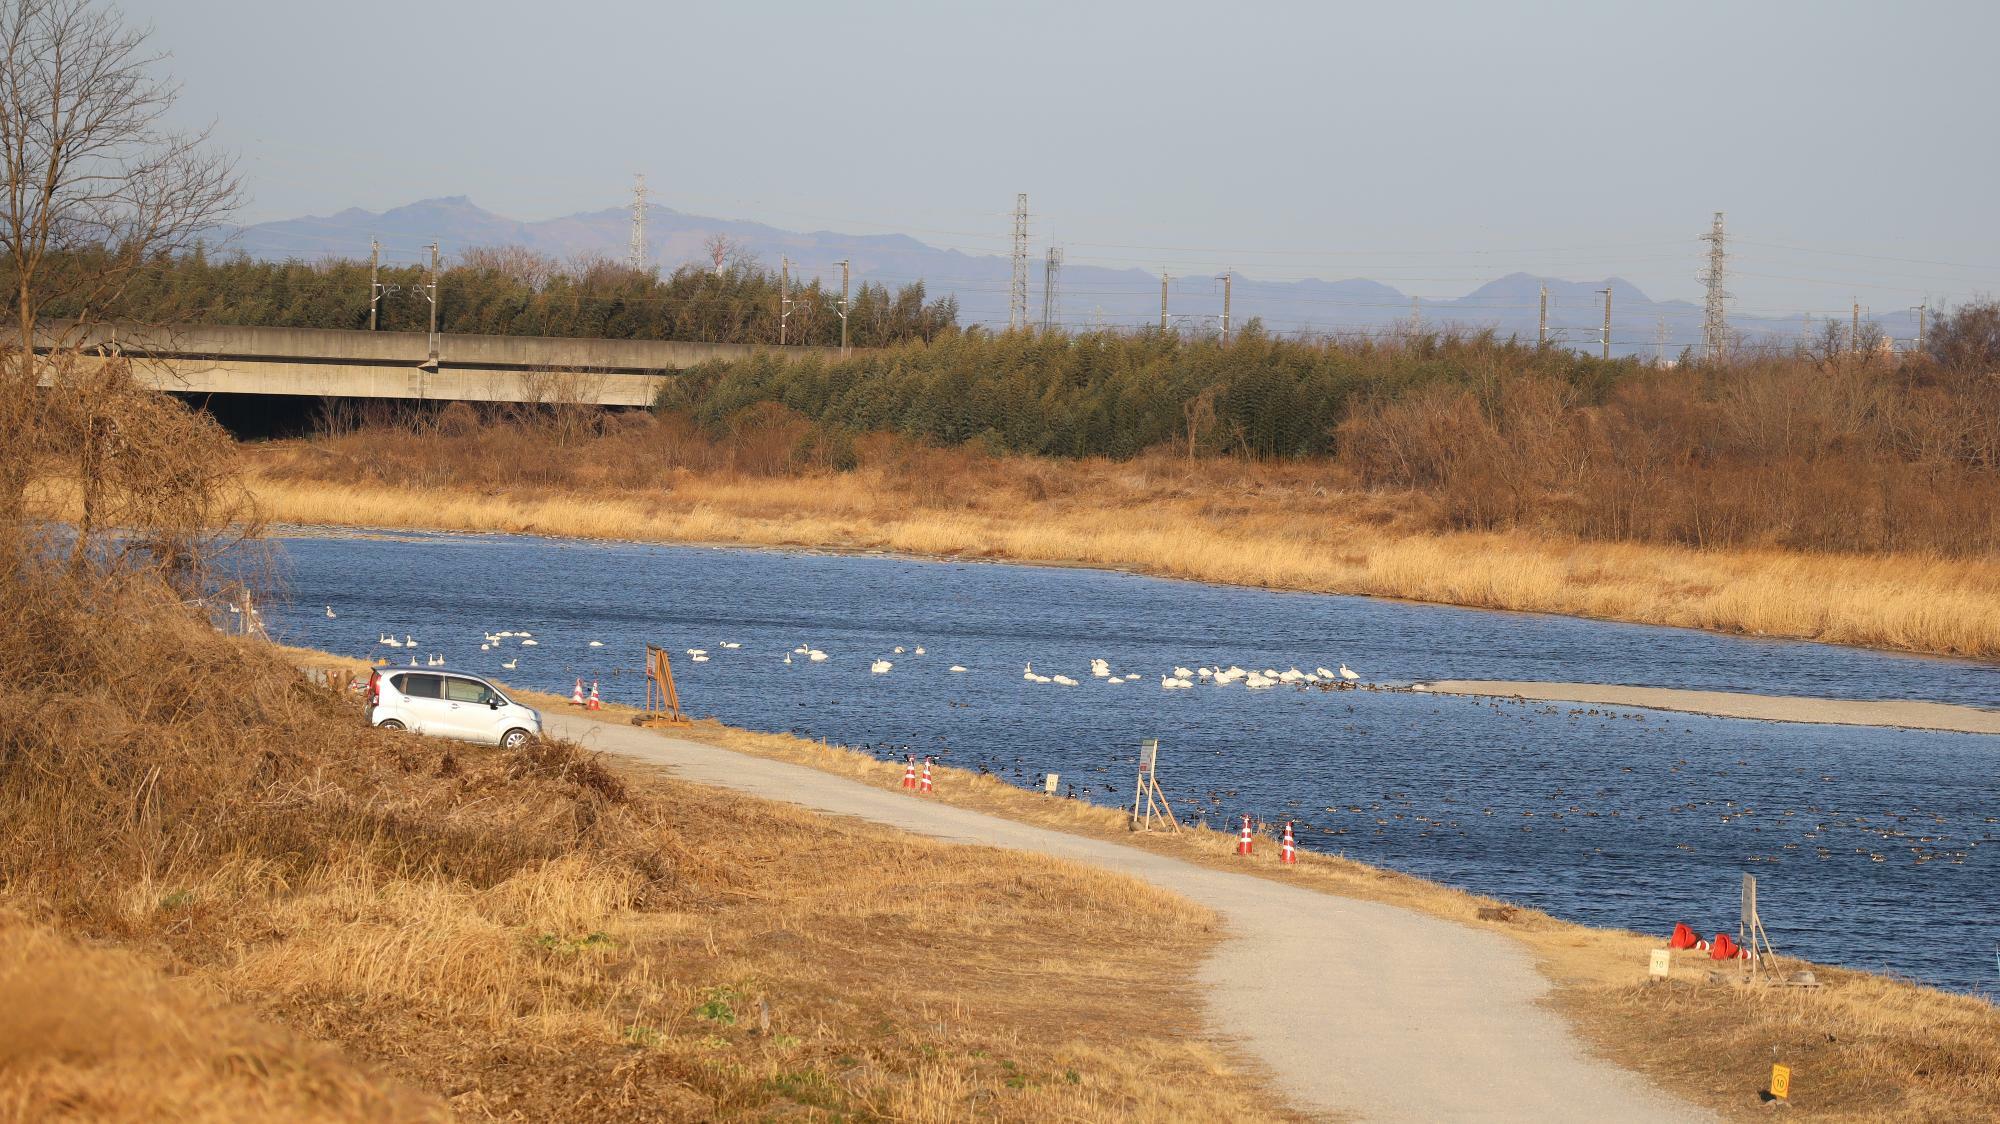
[1781, 1082]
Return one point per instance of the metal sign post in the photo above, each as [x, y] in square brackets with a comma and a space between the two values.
[1750, 933]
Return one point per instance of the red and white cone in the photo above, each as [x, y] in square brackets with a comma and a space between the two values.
[924, 785]
[910, 773]
[1287, 852]
[595, 702]
[576, 696]
[1244, 844]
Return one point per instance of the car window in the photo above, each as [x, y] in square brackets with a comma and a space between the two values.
[467, 690]
[419, 686]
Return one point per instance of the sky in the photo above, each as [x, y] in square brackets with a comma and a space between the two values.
[1431, 146]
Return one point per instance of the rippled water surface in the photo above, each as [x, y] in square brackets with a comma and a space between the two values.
[1878, 849]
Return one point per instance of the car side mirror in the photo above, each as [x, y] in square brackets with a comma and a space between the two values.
[493, 704]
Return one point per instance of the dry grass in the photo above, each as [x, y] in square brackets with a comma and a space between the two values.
[1280, 526]
[518, 935]
[1863, 1047]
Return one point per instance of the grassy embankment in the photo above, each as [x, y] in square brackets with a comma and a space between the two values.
[222, 897]
[1283, 525]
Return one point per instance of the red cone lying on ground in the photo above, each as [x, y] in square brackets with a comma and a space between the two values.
[1683, 937]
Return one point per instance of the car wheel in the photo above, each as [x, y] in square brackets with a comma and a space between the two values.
[390, 724]
[514, 739]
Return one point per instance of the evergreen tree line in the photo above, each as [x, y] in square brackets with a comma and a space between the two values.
[511, 291]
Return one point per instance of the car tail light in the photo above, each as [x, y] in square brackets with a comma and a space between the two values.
[374, 689]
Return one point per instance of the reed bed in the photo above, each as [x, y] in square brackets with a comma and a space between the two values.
[1282, 527]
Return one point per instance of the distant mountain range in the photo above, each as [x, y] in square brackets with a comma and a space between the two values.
[1088, 296]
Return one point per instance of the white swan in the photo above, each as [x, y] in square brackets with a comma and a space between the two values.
[1291, 675]
[815, 655]
[1183, 673]
[788, 657]
[1064, 681]
[330, 614]
[881, 667]
[527, 643]
[899, 649]
[801, 650]
[597, 643]
[731, 644]
[1174, 683]
[407, 642]
[1258, 681]
[1100, 668]
[1205, 673]
[486, 647]
[701, 659]
[919, 650]
[1028, 672]
[1324, 673]
[511, 664]
[955, 668]
[496, 637]
[1348, 673]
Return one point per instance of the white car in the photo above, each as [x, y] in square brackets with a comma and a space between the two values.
[449, 704]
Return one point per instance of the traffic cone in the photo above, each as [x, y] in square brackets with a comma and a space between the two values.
[924, 786]
[910, 772]
[1243, 841]
[595, 702]
[1287, 852]
[576, 696]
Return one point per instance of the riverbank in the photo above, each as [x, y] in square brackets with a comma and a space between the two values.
[1902, 714]
[1864, 1037]
[1285, 526]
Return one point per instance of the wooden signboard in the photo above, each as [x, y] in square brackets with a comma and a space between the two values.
[663, 699]
[1149, 803]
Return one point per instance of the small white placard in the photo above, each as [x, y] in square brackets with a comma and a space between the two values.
[1662, 964]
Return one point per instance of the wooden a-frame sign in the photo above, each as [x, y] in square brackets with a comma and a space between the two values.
[1149, 803]
[663, 700]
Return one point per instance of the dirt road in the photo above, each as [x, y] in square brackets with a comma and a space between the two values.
[1358, 1009]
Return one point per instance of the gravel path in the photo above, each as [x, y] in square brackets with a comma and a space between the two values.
[1358, 1009]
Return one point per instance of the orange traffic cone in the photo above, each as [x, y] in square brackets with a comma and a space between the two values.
[595, 702]
[576, 696]
[910, 772]
[1287, 853]
[924, 786]
[1243, 841]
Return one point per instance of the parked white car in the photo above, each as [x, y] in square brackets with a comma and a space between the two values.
[449, 704]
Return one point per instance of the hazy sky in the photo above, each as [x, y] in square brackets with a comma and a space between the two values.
[1428, 145]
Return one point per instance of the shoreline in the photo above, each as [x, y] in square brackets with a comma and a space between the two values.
[1895, 714]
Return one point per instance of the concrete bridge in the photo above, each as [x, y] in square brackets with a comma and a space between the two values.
[318, 362]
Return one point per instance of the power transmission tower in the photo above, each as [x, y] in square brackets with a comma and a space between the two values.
[637, 253]
[1854, 332]
[1542, 322]
[1017, 309]
[375, 280]
[1416, 315]
[1163, 300]
[1606, 337]
[1715, 322]
[1051, 303]
[1662, 360]
[843, 305]
[1227, 277]
[784, 296]
[1920, 310]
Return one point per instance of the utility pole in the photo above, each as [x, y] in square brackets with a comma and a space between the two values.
[1854, 331]
[1227, 277]
[1715, 321]
[1163, 300]
[1017, 308]
[1606, 338]
[637, 252]
[843, 305]
[1542, 322]
[1051, 304]
[1416, 315]
[1921, 309]
[375, 280]
[432, 293]
[784, 296]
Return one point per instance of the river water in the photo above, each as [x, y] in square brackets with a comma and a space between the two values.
[1877, 849]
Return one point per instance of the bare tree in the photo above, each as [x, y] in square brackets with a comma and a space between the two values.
[719, 248]
[97, 185]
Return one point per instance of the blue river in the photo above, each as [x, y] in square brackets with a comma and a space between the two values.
[1874, 848]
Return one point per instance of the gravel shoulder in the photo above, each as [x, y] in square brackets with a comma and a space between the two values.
[1898, 713]
[1359, 1010]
